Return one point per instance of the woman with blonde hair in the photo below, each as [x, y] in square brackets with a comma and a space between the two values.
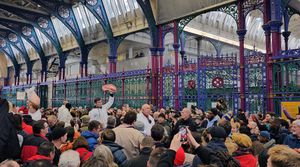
[103, 151]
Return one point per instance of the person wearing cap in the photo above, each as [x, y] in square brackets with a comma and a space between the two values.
[33, 104]
[212, 118]
[59, 137]
[145, 117]
[265, 138]
[84, 123]
[99, 112]
[293, 140]
[243, 153]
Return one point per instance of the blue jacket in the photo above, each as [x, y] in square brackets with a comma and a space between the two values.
[292, 141]
[117, 151]
[217, 145]
[91, 139]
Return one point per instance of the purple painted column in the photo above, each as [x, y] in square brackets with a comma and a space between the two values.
[112, 65]
[269, 74]
[176, 47]
[154, 85]
[161, 73]
[241, 33]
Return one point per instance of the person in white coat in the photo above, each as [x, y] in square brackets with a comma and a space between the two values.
[99, 112]
[64, 114]
[145, 117]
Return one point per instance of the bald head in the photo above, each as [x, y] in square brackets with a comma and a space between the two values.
[186, 113]
[146, 109]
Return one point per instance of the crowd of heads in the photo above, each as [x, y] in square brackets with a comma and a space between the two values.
[69, 137]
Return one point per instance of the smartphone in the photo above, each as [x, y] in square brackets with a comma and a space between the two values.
[183, 133]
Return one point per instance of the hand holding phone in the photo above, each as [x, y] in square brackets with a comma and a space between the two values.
[183, 133]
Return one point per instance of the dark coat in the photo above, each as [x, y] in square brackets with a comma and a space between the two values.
[292, 141]
[189, 122]
[141, 160]
[117, 151]
[9, 142]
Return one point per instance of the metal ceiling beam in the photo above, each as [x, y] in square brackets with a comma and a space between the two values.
[23, 8]
[6, 49]
[64, 12]
[96, 7]
[28, 32]
[17, 42]
[42, 22]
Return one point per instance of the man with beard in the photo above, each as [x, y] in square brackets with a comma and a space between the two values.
[212, 118]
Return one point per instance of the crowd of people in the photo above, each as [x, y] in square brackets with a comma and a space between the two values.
[143, 137]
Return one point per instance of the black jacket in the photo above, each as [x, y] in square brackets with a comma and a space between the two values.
[141, 160]
[189, 122]
[9, 142]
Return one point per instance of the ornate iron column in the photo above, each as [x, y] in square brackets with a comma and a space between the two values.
[176, 47]
[154, 86]
[241, 33]
[269, 74]
[161, 73]
[161, 50]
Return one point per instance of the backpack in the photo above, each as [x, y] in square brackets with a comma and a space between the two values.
[224, 159]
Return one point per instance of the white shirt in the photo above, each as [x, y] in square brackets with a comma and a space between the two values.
[36, 116]
[147, 128]
[100, 114]
[64, 115]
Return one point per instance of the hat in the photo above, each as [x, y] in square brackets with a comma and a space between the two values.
[140, 126]
[33, 97]
[265, 134]
[179, 157]
[58, 133]
[23, 109]
[242, 140]
[217, 132]
[228, 116]
[214, 111]
[85, 119]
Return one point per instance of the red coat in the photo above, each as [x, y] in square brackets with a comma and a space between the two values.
[39, 157]
[84, 154]
[247, 160]
[27, 128]
[30, 146]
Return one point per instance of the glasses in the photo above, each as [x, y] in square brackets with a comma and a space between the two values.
[149, 120]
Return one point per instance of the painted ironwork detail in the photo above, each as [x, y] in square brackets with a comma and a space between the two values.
[230, 10]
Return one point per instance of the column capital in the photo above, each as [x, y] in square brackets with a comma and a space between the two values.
[176, 46]
[275, 25]
[153, 51]
[112, 59]
[241, 33]
[160, 50]
[286, 34]
[266, 27]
